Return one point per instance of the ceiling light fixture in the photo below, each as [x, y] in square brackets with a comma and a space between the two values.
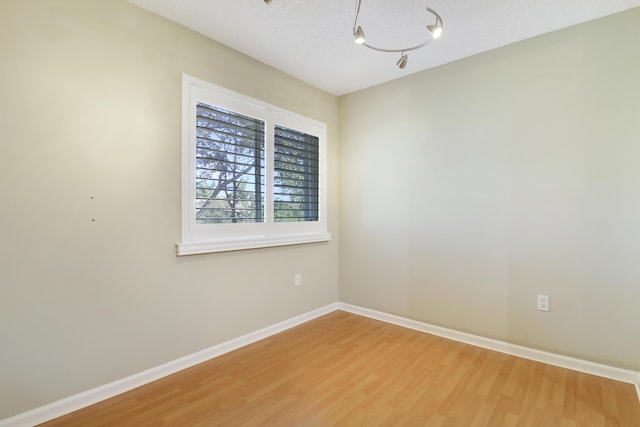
[435, 31]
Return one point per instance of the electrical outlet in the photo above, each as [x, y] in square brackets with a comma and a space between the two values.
[297, 279]
[543, 302]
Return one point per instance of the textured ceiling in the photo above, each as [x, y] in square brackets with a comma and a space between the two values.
[312, 39]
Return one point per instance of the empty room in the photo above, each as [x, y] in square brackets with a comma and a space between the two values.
[319, 213]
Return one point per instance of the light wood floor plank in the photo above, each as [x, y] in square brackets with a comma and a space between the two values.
[346, 370]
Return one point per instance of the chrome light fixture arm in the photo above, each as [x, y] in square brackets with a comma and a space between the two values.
[355, 17]
[408, 49]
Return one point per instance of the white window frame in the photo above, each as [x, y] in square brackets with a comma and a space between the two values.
[207, 238]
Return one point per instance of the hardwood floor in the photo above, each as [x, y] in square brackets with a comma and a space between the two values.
[346, 370]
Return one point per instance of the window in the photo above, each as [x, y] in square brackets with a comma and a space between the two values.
[253, 175]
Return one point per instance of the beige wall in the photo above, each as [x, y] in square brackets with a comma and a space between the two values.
[90, 106]
[470, 188]
[465, 191]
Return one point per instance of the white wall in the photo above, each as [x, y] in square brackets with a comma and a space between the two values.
[90, 107]
[471, 188]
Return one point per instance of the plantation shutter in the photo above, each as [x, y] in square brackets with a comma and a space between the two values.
[229, 166]
[296, 176]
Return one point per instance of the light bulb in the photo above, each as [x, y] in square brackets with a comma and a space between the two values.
[359, 35]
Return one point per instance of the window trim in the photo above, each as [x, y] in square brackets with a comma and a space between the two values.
[209, 238]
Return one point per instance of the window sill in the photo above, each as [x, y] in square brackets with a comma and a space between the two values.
[194, 248]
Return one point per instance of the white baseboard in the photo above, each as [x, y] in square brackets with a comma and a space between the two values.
[579, 365]
[82, 400]
[98, 394]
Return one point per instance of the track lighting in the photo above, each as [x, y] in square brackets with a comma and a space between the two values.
[435, 31]
[402, 62]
